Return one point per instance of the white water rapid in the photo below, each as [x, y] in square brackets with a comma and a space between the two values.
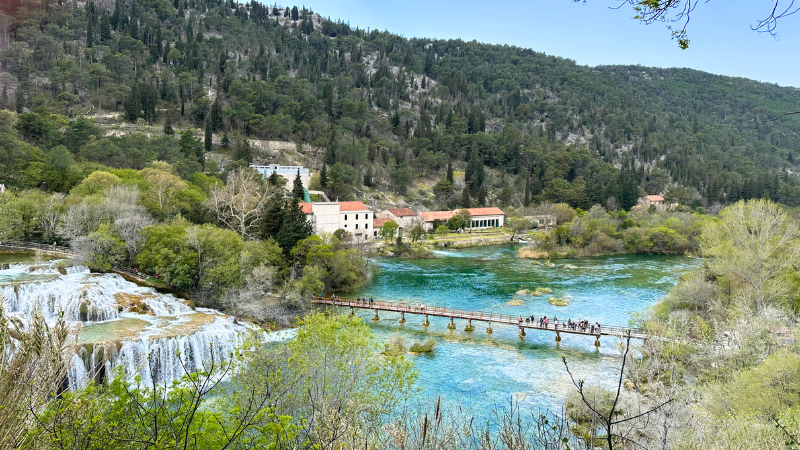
[120, 325]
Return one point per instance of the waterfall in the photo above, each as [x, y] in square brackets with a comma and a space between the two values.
[125, 326]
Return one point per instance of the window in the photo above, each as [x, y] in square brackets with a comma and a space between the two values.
[356, 216]
[345, 225]
[345, 217]
[356, 226]
[366, 226]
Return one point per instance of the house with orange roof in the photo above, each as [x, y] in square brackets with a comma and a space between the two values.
[654, 200]
[331, 216]
[405, 218]
[481, 218]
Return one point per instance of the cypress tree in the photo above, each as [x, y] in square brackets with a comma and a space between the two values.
[482, 196]
[216, 115]
[295, 13]
[208, 137]
[465, 200]
[450, 172]
[297, 189]
[273, 217]
[323, 177]
[105, 27]
[273, 178]
[294, 228]
[132, 104]
[527, 200]
[243, 150]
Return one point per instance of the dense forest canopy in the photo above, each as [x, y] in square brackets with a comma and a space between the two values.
[380, 109]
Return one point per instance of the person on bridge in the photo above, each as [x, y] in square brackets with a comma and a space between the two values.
[520, 320]
[555, 321]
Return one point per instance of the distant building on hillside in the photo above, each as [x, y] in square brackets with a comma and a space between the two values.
[287, 172]
[654, 200]
[331, 216]
[404, 217]
[482, 218]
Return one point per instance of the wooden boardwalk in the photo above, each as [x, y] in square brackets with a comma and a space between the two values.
[481, 316]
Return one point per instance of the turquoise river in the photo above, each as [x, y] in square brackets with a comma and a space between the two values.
[482, 370]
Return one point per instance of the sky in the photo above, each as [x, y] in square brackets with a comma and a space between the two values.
[593, 33]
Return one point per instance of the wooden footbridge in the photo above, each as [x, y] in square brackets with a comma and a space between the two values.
[481, 316]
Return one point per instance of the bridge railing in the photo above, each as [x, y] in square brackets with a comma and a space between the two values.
[475, 315]
[35, 246]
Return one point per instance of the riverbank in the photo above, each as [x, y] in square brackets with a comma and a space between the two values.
[531, 252]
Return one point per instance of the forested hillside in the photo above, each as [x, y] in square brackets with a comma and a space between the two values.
[375, 112]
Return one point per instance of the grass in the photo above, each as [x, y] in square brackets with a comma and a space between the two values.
[558, 301]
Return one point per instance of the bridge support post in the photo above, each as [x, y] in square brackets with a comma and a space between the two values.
[469, 326]
[426, 323]
[558, 336]
[352, 312]
[521, 332]
[402, 317]
[597, 341]
[489, 329]
[451, 325]
[376, 316]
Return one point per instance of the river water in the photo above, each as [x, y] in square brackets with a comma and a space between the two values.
[482, 370]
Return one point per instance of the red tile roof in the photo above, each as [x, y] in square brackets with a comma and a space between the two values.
[306, 207]
[430, 216]
[352, 206]
[493, 211]
[377, 223]
[655, 198]
[401, 212]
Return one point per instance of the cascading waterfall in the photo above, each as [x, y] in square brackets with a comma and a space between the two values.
[122, 326]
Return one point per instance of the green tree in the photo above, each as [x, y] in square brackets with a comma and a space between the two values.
[466, 202]
[294, 228]
[441, 231]
[323, 177]
[297, 188]
[207, 141]
[272, 218]
[388, 230]
[416, 233]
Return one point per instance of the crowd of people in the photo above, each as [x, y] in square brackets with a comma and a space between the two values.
[570, 324]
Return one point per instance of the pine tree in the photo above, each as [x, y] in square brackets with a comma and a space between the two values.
[294, 228]
[226, 142]
[274, 178]
[297, 189]
[465, 200]
[323, 177]
[207, 141]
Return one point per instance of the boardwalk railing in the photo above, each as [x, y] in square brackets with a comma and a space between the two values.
[483, 316]
[35, 246]
[12, 244]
